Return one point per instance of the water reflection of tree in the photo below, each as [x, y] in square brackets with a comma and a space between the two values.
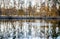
[59, 28]
[54, 33]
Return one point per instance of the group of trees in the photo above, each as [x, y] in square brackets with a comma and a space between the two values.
[20, 8]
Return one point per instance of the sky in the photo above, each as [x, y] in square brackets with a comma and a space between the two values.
[26, 2]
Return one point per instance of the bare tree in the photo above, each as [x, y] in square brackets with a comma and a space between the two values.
[29, 8]
[0, 7]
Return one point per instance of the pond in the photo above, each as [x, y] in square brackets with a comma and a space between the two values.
[25, 29]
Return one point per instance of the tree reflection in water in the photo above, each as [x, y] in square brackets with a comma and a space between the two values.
[29, 30]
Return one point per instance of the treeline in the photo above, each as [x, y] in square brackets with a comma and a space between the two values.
[20, 10]
[43, 11]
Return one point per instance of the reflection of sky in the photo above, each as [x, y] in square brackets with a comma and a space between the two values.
[58, 37]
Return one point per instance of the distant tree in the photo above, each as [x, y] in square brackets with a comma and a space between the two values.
[20, 7]
[29, 8]
[58, 12]
[0, 10]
